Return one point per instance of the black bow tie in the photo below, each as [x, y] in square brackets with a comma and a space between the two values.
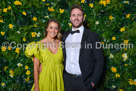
[76, 31]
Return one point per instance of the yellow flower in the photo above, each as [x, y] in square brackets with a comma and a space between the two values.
[35, 25]
[125, 57]
[3, 48]
[27, 72]
[46, 17]
[113, 69]
[24, 39]
[11, 75]
[125, 49]
[134, 81]
[126, 42]
[131, 82]
[43, 0]
[117, 75]
[127, 15]
[2, 33]
[120, 89]
[127, 2]
[17, 50]
[122, 29]
[5, 10]
[103, 2]
[111, 56]
[102, 42]
[69, 24]
[9, 47]
[34, 19]
[17, 3]
[111, 17]
[27, 79]
[100, 2]
[24, 13]
[126, 64]
[108, 1]
[113, 38]
[91, 5]
[85, 15]
[11, 72]
[26, 67]
[34, 34]
[2, 84]
[61, 10]
[1, 20]
[9, 7]
[19, 65]
[10, 26]
[0, 9]
[5, 68]
[47, 4]
[82, 1]
[50, 9]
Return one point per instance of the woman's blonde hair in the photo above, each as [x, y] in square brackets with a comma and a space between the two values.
[59, 36]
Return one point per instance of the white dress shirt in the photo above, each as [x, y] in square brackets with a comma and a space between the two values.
[73, 43]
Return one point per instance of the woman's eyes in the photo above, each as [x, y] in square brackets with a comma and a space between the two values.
[55, 28]
[51, 27]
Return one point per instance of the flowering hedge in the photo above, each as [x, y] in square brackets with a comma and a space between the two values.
[23, 21]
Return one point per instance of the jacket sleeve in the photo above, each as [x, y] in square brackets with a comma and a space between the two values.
[99, 60]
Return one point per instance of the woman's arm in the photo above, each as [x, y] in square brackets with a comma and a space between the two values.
[36, 73]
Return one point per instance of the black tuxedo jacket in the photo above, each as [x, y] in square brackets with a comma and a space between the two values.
[91, 59]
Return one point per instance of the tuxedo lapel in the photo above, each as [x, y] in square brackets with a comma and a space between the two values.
[65, 35]
[64, 46]
[84, 37]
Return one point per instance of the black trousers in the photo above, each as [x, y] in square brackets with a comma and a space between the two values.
[75, 84]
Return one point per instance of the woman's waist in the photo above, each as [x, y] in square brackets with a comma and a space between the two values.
[54, 65]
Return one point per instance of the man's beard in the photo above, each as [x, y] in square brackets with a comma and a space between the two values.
[81, 23]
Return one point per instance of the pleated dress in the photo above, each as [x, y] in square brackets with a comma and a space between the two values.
[51, 76]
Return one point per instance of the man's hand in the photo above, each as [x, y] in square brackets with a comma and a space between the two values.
[40, 68]
[92, 84]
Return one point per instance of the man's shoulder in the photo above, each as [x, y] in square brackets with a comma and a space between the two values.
[91, 33]
[65, 34]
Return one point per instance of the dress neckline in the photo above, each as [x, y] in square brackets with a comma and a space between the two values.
[49, 50]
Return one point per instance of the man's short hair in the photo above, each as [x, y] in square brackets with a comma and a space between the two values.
[78, 7]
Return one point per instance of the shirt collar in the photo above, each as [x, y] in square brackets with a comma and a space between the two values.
[81, 28]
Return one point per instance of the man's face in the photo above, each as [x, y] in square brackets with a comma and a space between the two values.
[77, 18]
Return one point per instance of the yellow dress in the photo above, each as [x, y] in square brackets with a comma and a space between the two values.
[51, 76]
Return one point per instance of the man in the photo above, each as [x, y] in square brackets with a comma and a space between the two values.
[83, 66]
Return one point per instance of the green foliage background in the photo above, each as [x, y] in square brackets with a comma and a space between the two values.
[97, 20]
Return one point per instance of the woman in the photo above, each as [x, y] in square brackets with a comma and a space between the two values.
[48, 53]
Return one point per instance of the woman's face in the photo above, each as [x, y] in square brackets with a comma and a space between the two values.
[52, 30]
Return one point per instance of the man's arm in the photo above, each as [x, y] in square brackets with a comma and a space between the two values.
[99, 61]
